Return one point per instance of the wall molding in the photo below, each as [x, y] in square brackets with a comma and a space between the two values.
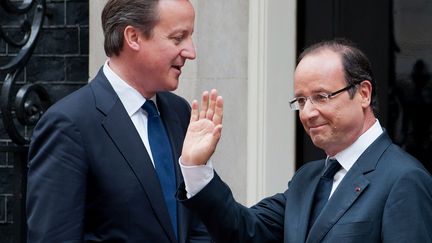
[271, 125]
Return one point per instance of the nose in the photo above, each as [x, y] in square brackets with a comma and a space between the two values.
[309, 111]
[189, 50]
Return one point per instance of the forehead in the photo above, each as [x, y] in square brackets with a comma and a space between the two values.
[320, 71]
[175, 16]
[175, 8]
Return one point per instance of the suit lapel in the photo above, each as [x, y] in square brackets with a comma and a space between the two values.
[306, 205]
[172, 125]
[349, 190]
[120, 128]
[354, 184]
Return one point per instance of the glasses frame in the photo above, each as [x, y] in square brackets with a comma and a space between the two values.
[327, 97]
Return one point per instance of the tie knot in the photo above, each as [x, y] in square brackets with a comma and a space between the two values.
[333, 166]
[150, 107]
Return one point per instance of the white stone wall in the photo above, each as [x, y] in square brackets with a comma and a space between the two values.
[221, 40]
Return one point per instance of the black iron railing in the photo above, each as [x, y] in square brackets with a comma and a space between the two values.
[24, 106]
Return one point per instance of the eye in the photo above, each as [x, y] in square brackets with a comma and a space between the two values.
[301, 101]
[177, 39]
[320, 98]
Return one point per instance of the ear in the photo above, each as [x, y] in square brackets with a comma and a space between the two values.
[365, 91]
[131, 38]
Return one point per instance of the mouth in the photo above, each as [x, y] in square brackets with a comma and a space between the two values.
[315, 128]
[177, 67]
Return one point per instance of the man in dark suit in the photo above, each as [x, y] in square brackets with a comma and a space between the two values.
[95, 170]
[366, 190]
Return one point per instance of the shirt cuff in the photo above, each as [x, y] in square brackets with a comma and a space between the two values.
[196, 177]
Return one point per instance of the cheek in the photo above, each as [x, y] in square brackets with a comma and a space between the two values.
[303, 121]
[169, 52]
[302, 118]
[334, 120]
[330, 115]
[305, 128]
[333, 116]
[346, 119]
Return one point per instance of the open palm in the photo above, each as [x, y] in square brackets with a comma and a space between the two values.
[204, 129]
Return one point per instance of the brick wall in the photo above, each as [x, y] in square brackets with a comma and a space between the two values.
[60, 64]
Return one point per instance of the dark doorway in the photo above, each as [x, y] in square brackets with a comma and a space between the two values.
[394, 35]
[411, 107]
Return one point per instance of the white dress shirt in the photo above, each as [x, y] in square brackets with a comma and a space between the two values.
[349, 156]
[197, 177]
[132, 100]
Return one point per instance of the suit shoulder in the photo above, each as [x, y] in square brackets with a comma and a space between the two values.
[399, 158]
[72, 104]
[309, 170]
[80, 96]
[311, 166]
[396, 163]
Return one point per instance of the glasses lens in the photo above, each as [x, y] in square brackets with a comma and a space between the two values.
[320, 98]
[294, 105]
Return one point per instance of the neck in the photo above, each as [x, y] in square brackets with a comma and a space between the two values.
[370, 120]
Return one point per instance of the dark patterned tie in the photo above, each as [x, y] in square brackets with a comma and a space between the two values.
[323, 190]
[162, 158]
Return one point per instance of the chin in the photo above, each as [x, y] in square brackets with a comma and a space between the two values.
[318, 142]
[173, 87]
[170, 85]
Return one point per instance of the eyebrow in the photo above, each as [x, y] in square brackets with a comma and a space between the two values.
[320, 90]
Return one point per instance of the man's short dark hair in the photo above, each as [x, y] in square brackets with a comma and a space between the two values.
[356, 65]
[118, 14]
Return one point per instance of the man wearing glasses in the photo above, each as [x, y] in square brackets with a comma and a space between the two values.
[366, 190]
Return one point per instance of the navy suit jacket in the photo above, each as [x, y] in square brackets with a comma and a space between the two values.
[91, 179]
[385, 197]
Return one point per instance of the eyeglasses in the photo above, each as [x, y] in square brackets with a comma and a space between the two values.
[298, 103]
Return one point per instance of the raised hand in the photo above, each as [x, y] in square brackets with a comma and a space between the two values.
[204, 129]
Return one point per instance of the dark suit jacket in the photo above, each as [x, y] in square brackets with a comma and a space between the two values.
[91, 179]
[385, 197]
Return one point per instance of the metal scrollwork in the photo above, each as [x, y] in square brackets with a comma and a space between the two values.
[25, 107]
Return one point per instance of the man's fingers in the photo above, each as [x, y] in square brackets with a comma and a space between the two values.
[204, 105]
[212, 105]
[194, 112]
[218, 115]
[204, 130]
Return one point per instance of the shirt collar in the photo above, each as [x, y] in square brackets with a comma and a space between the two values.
[131, 99]
[349, 156]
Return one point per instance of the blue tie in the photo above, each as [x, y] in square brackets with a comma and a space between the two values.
[323, 190]
[162, 157]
